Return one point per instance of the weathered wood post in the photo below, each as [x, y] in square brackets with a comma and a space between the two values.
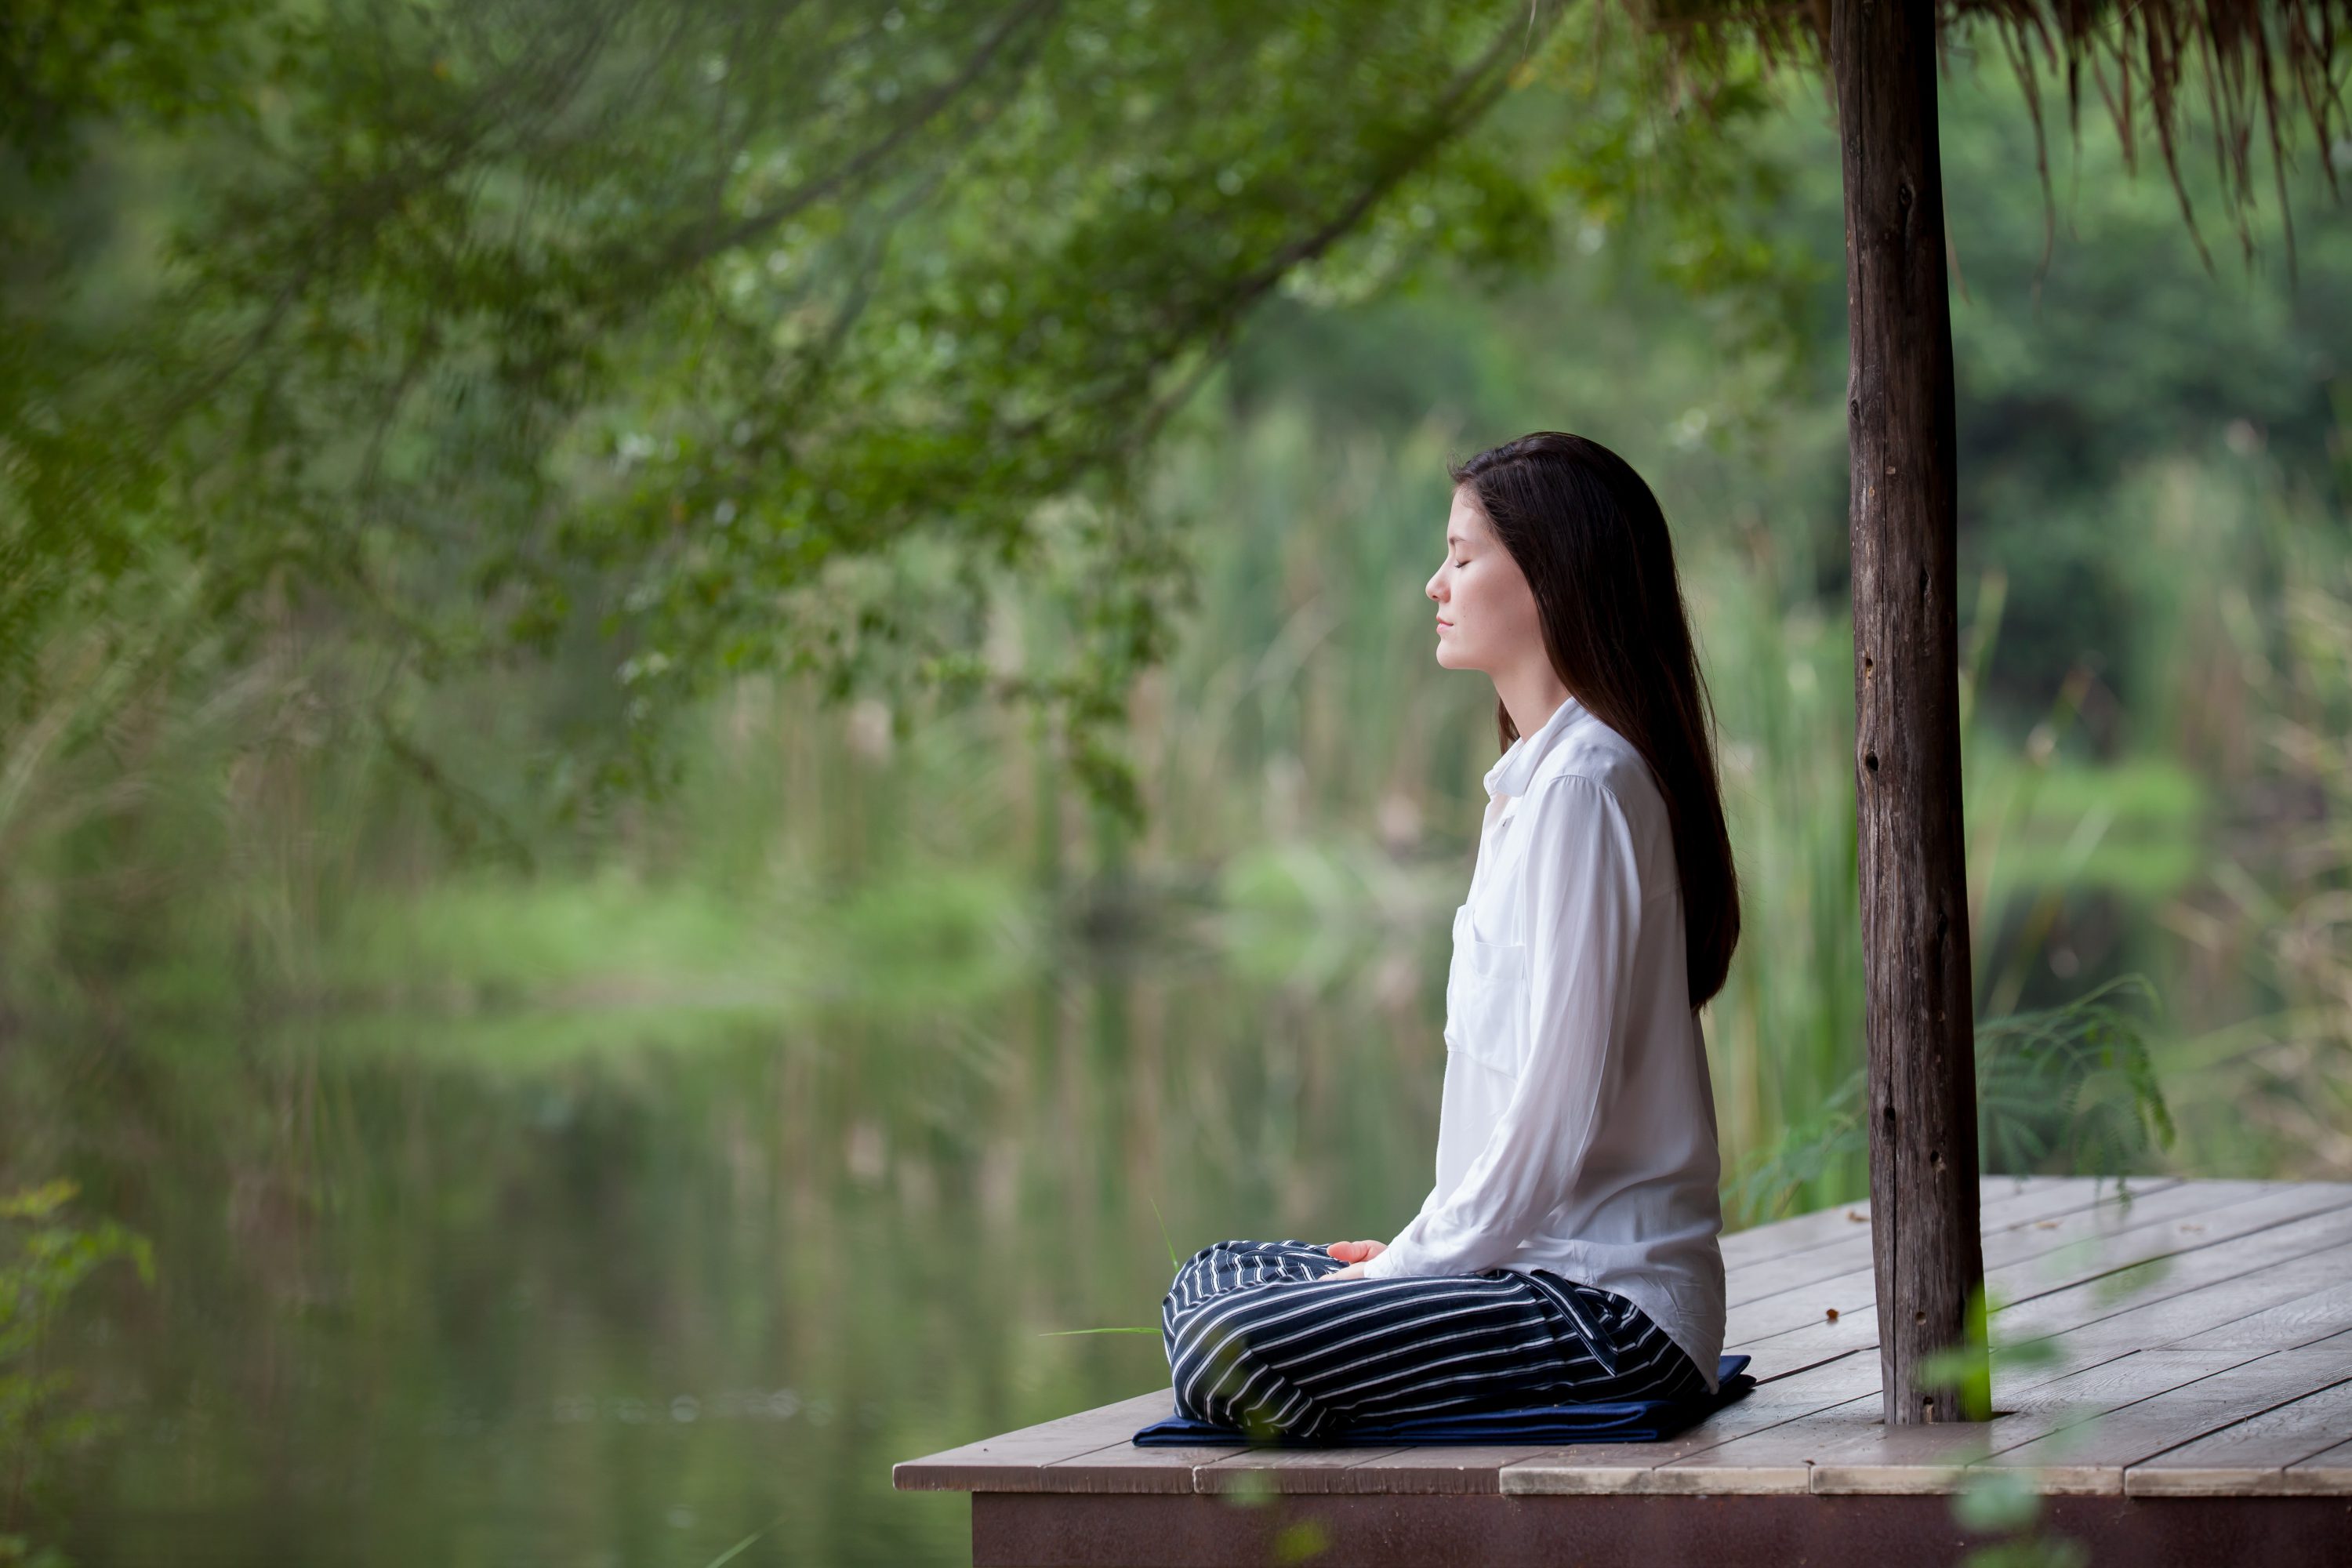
[1918, 1010]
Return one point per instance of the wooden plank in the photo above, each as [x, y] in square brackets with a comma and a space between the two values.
[2089, 1456]
[1868, 1463]
[1300, 1471]
[2318, 1315]
[2134, 1324]
[2072, 1195]
[1016, 1460]
[2248, 1459]
[1770, 1277]
[1122, 1466]
[1587, 1470]
[2009, 1205]
[2051, 1422]
[2185, 1214]
[1454, 1470]
[2001, 1199]
[1848, 1450]
[1800, 1233]
[1851, 1292]
[2039, 1204]
[2322, 1475]
[2198, 1295]
[2263, 1269]
[1855, 1427]
[1884, 1462]
[1764, 1330]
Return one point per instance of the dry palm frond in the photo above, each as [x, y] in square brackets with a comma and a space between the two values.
[2269, 69]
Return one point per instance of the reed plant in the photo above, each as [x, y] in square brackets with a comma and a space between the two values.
[2268, 927]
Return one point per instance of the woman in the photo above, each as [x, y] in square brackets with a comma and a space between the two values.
[1567, 1250]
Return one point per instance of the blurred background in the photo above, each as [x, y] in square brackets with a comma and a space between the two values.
[712, 719]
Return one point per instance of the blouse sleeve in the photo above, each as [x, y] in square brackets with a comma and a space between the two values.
[1582, 918]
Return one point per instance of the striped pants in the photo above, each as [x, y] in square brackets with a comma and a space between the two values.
[1256, 1341]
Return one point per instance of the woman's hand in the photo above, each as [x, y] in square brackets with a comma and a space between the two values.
[1355, 1254]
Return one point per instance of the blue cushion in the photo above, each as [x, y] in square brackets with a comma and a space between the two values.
[1633, 1421]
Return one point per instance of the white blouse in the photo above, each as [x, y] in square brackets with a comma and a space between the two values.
[1577, 1129]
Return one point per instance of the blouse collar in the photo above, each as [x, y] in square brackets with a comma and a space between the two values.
[1516, 768]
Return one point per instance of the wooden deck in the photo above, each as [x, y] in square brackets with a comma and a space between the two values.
[2190, 1401]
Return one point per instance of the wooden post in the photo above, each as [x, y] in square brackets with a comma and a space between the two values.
[1918, 1011]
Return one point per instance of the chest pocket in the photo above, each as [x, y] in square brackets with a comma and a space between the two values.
[1485, 1000]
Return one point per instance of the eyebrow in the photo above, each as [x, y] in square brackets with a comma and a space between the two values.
[1456, 538]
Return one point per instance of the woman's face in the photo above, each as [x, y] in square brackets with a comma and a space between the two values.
[1487, 616]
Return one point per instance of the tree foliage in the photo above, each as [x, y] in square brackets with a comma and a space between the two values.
[666, 331]
[667, 340]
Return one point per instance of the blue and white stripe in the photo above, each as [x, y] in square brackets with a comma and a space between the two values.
[1255, 1339]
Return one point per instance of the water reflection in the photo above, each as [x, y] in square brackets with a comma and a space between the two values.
[589, 1289]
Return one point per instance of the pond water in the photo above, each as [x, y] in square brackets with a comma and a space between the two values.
[627, 1284]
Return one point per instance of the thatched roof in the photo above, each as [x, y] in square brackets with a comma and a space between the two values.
[2173, 71]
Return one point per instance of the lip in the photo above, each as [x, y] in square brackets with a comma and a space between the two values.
[1444, 622]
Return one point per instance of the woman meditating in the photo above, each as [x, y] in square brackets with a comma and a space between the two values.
[1568, 1251]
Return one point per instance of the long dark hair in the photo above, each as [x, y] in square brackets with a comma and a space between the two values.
[1588, 535]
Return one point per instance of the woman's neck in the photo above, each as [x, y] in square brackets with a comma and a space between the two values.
[1531, 697]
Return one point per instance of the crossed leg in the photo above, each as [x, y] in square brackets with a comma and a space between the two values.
[1256, 1340]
